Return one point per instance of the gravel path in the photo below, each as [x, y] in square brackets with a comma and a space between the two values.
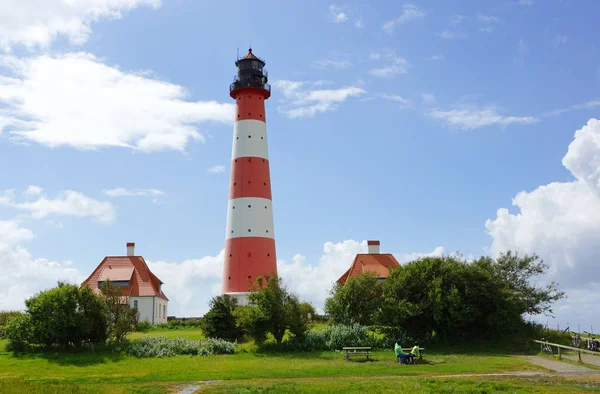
[586, 358]
[556, 366]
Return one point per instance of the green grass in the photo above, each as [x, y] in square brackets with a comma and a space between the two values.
[188, 333]
[412, 385]
[103, 371]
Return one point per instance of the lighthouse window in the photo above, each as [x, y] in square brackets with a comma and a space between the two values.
[249, 230]
[267, 230]
[249, 136]
[261, 138]
[249, 206]
[249, 182]
[256, 65]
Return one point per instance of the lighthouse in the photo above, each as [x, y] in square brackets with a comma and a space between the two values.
[250, 237]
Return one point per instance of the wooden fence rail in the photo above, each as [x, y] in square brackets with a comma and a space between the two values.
[559, 347]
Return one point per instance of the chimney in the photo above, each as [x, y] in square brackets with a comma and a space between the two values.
[130, 248]
[373, 247]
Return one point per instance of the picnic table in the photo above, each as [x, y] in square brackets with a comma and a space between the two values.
[351, 351]
[421, 349]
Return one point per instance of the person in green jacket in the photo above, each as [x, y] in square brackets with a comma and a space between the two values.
[400, 354]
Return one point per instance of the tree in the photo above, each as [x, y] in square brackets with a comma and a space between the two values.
[63, 316]
[459, 300]
[272, 309]
[219, 321]
[307, 310]
[121, 318]
[356, 301]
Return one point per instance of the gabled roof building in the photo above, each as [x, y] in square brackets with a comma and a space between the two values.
[373, 261]
[142, 288]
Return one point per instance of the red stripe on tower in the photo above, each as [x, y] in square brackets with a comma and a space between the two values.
[250, 238]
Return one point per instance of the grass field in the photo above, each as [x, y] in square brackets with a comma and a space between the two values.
[252, 371]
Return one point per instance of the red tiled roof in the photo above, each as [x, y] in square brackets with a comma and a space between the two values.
[380, 264]
[142, 281]
[250, 55]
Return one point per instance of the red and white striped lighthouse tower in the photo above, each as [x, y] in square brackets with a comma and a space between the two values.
[250, 239]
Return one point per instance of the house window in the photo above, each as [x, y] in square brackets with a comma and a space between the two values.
[164, 311]
[135, 304]
[159, 311]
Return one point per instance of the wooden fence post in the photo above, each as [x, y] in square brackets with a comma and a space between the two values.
[579, 354]
[559, 356]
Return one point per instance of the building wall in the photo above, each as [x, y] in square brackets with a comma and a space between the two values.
[152, 309]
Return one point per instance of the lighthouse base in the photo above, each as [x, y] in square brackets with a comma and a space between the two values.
[241, 297]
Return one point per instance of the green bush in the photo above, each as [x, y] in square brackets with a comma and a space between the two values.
[219, 321]
[6, 315]
[335, 337]
[143, 326]
[19, 332]
[63, 316]
[168, 347]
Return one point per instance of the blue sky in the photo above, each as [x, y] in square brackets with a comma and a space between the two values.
[411, 123]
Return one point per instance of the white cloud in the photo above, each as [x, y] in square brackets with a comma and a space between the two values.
[486, 29]
[337, 64]
[427, 98]
[396, 98]
[438, 57]
[190, 284]
[34, 23]
[486, 18]
[409, 12]
[452, 35]
[33, 191]
[67, 203]
[408, 257]
[374, 55]
[336, 15]
[303, 99]
[560, 222]
[457, 19]
[592, 104]
[77, 100]
[471, 117]
[358, 23]
[216, 169]
[397, 66]
[121, 192]
[21, 275]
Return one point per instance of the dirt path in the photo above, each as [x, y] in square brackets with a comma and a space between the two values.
[586, 358]
[556, 366]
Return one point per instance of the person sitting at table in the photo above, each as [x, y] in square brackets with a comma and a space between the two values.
[414, 352]
[400, 354]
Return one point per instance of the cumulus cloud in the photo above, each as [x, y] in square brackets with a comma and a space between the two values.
[33, 191]
[409, 13]
[122, 192]
[486, 18]
[336, 15]
[472, 117]
[79, 101]
[560, 222]
[30, 23]
[190, 284]
[66, 203]
[305, 99]
[21, 275]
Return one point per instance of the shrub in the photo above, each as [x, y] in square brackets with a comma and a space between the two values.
[143, 326]
[167, 347]
[19, 332]
[335, 337]
[6, 315]
[219, 321]
[62, 316]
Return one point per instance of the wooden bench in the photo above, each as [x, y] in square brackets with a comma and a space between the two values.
[350, 351]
